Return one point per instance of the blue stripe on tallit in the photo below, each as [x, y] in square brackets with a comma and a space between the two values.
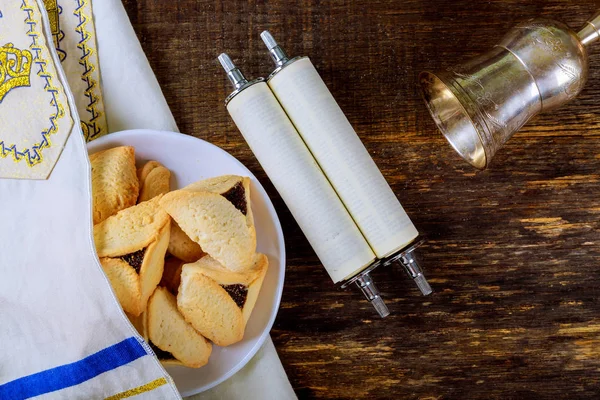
[75, 373]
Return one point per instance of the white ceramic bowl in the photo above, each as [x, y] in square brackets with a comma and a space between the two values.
[190, 160]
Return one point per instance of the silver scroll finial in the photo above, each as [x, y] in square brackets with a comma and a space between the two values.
[278, 55]
[235, 76]
[412, 267]
[367, 286]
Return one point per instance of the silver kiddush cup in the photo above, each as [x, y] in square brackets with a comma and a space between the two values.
[538, 66]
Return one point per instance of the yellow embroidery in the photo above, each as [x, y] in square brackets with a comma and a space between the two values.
[52, 8]
[92, 129]
[15, 68]
[88, 95]
[33, 155]
[139, 390]
[54, 12]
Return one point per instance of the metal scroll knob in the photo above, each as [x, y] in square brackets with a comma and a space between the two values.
[367, 286]
[278, 55]
[235, 76]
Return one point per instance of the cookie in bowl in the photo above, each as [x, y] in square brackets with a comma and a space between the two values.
[115, 185]
[234, 188]
[131, 246]
[173, 340]
[154, 180]
[223, 230]
[218, 302]
[182, 247]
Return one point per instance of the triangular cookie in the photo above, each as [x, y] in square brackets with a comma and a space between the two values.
[115, 185]
[218, 302]
[174, 340]
[132, 246]
[234, 188]
[216, 224]
[130, 230]
[154, 180]
[182, 247]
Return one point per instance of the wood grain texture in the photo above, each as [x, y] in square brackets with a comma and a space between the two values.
[513, 252]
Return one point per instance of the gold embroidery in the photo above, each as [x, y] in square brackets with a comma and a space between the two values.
[54, 12]
[33, 155]
[139, 390]
[92, 129]
[52, 8]
[15, 68]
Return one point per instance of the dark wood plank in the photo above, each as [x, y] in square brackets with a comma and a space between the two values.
[513, 252]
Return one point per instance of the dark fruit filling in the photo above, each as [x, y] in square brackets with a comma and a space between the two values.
[238, 293]
[135, 259]
[237, 196]
[161, 354]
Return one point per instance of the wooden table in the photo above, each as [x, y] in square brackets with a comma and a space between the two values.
[513, 252]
